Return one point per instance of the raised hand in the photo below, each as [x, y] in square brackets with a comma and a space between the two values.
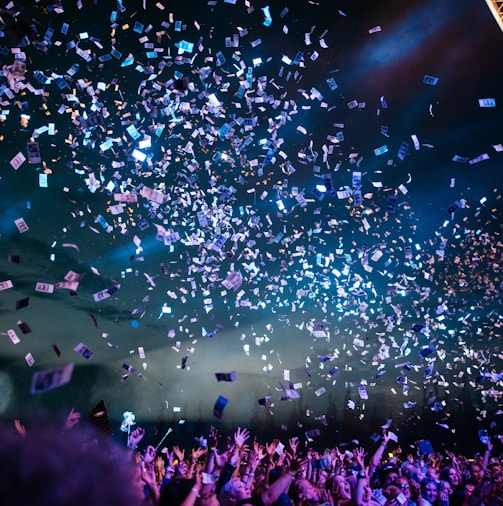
[147, 472]
[196, 454]
[252, 460]
[213, 437]
[259, 451]
[171, 458]
[360, 455]
[385, 436]
[297, 464]
[150, 454]
[338, 456]
[489, 445]
[180, 454]
[71, 420]
[281, 458]
[294, 443]
[271, 448]
[241, 436]
[220, 459]
[228, 443]
[135, 437]
[244, 450]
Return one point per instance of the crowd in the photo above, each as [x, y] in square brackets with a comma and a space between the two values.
[74, 466]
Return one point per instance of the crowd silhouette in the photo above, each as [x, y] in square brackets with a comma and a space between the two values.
[78, 465]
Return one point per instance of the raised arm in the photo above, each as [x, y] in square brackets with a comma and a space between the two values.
[270, 450]
[148, 473]
[282, 484]
[375, 460]
[135, 437]
[240, 436]
[194, 456]
[361, 477]
[487, 453]
[72, 419]
[194, 493]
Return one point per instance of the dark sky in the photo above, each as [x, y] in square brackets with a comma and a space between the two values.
[237, 142]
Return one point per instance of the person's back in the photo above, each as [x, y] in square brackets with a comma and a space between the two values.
[46, 467]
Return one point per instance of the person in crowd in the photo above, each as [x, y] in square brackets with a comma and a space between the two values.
[451, 481]
[239, 474]
[490, 491]
[409, 488]
[476, 473]
[340, 490]
[429, 492]
[237, 491]
[304, 493]
[47, 466]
